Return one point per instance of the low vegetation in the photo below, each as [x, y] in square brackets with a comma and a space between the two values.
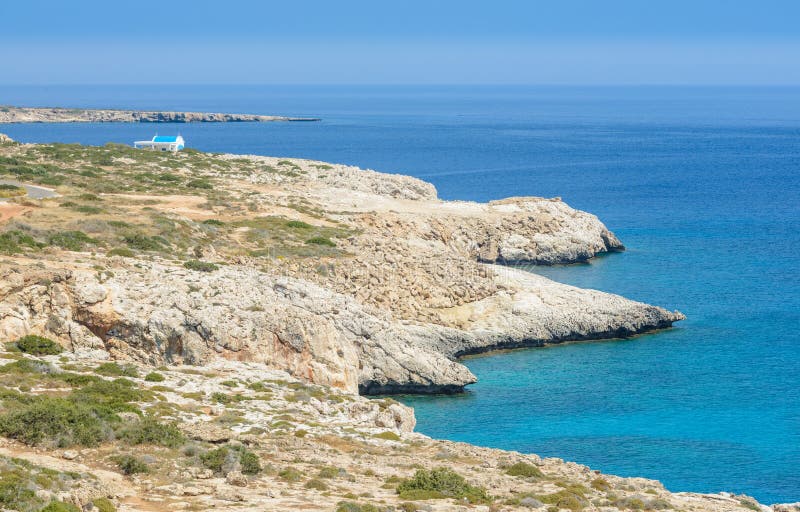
[23, 485]
[200, 266]
[99, 188]
[117, 370]
[229, 458]
[151, 431]
[7, 191]
[571, 497]
[154, 377]
[440, 483]
[86, 415]
[130, 464]
[38, 345]
[524, 470]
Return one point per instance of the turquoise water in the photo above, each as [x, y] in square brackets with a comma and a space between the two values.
[701, 184]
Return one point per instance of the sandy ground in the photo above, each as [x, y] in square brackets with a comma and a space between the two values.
[11, 210]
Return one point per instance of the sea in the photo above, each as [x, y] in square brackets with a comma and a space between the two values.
[702, 184]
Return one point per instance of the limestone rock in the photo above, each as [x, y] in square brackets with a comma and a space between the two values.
[159, 314]
[236, 478]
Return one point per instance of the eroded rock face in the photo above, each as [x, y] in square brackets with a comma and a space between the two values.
[541, 231]
[161, 314]
[410, 289]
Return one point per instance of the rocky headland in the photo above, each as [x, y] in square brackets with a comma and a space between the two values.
[9, 114]
[266, 295]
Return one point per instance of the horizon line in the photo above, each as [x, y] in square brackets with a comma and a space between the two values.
[394, 84]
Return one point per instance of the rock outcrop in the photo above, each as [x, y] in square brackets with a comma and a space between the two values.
[307, 447]
[75, 115]
[155, 314]
[405, 284]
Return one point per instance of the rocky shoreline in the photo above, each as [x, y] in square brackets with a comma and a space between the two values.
[397, 293]
[250, 300]
[9, 114]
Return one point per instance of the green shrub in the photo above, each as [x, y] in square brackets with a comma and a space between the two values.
[224, 398]
[104, 505]
[316, 484]
[200, 266]
[440, 483]
[257, 386]
[629, 503]
[571, 498]
[150, 431]
[749, 503]
[218, 458]
[321, 240]
[299, 224]
[168, 177]
[290, 474]
[328, 472]
[600, 484]
[60, 506]
[201, 183]
[14, 491]
[110, 397]
[524, 470]
[71, 240]
[116, 370]
[27, 366]
[54, 419]
[121, 251]
[142, 242]
[85, 417]
[349, 506]
[213, 222]
[87, 209]
[154, 377]
[12, 242]
[388, 435]
[130, 464]
[251, 465]
[215, 459]
[38, 345]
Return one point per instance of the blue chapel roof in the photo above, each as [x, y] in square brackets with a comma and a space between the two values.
[165, 138]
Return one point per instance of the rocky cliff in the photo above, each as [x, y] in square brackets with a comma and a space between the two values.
[209, 321]
[394, 287]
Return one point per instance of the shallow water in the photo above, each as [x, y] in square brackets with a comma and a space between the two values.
[702, 186]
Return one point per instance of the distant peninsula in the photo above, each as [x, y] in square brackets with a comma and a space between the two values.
[10, 114]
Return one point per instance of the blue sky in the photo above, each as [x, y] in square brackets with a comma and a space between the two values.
[404, 41]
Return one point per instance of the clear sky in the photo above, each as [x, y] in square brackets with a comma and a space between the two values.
[586, 42]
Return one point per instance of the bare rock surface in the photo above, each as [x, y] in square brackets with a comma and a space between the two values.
[156, 313]
[410, 286]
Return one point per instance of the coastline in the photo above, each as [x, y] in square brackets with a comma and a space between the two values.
[342, 329]
[13, 114]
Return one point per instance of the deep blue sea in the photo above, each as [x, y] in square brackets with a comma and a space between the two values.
[701, 184]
